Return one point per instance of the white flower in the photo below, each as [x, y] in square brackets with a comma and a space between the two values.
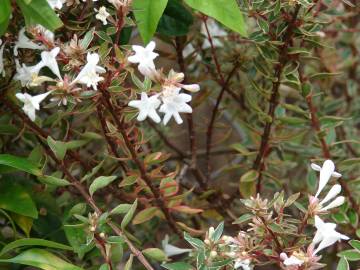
[171, 250]
[174, 103]
[56, 3]
[89, 73]
[242, 264]
[326, 234]
[25, 43]
[102, 15]
[147, 107]
[334, 191]
[26, 74]
[2, 70]
[49, 60]
[145, 58]
[326, 171]
[31, 103]
[291, 261]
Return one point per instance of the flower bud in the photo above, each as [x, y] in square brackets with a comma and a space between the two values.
[213, 254]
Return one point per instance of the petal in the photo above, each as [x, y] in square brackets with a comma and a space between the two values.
[20, 96]
[134, 103]
[134, 59]
[151, 46]
[177, 118]
[191, 87]
[154, 116]
[336, 174]
[334, 191]
[326, 242]
[142, 115]
[315, 167]
[167, 117]
[335, 203]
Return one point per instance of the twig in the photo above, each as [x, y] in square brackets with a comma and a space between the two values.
[283, 59]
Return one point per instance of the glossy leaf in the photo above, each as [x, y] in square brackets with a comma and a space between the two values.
[148, 14]
[39, 12]
[5, 13]
[41, 259]
[100, 182]
[226, 12]
[20, 163]
[155, 253]
[129, 215]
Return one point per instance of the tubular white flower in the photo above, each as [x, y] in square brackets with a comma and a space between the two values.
[147, 107]
[335, 203]
[174, 104]
[171, 250]
[145, 58]
[89, 73]
[191, 87]
[2, 70]
[26, 74]
[334, 191]
[326, 235]
[102, 15]
[49, 60]
[31, 103]
[326, 171]
[25, 43]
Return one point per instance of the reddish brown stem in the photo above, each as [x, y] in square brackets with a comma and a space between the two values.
[283, 59]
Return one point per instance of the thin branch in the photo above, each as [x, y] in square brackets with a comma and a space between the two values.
[283, 60]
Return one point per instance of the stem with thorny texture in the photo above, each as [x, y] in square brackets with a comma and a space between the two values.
[77, 184]
[283, 60]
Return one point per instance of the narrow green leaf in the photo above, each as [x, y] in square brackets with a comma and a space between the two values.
[20, 163]
[147, 14]
[127, 218]
[226, 12]
[178, 266]
[39, 12]
[33, 242]
[14, 198]
[195, 242]
[343, 264]
[58, 147]
[54, 181]
[121, 209]
[145, 215]
[155, 253]
[100, 182]
[129, 262]
[5, 13]
[42, 259]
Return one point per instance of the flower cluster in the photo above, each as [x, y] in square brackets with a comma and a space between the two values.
[170, 101]
[29, 75]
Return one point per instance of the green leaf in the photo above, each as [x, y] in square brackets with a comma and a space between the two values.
[226, 12]
[93, 171]
[355, 244]
[145, 215]
[155, 253]
[52, 180]
[33, 242]
[5, 13]
[129, 262]
[100, 182]
[195, 242]
[20, 163]
[350, 255]
[343, 264]
[41, 259]
[121, 209]
[147, 14]
[39, 12]
[176, 20]
[243, 218]
[127, 218]
[25, 223]
[178, 266]
[217, 232]
[247, 183]
[58, 147]
[14, 198]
